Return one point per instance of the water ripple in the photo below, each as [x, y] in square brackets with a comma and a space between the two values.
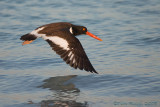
[127, 58]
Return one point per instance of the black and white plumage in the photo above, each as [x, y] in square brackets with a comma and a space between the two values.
[61, 37]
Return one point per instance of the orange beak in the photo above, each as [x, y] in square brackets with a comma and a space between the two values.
[93, 36]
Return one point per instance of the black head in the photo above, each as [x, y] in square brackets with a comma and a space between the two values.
[78, 30]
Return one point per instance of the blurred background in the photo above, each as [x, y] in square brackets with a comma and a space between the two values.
[128, 58]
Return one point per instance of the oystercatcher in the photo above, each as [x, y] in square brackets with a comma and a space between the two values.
[61, 38]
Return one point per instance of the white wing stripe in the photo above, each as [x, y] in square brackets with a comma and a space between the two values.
[58, 41]
[69, 54]
[74, 60]
[71, 57]
[35, 32]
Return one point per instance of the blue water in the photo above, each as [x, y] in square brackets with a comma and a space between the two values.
[128, 58]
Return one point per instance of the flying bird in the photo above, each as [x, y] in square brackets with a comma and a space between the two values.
[61, 38]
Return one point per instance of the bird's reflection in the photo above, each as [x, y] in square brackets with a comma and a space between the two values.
[64, 91]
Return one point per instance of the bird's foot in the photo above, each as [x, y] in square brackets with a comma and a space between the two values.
[27, 42]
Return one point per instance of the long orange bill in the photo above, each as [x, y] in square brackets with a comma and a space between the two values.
[90, 34]
[27, 42]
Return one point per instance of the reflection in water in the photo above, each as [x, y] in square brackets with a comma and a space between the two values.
[64, 92]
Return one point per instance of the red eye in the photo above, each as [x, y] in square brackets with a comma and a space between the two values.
[84, 29]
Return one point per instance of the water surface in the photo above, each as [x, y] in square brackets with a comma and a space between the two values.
[128, 58]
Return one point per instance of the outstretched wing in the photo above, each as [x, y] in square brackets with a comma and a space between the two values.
[71, 51]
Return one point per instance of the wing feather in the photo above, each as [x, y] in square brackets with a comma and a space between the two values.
[74, 55]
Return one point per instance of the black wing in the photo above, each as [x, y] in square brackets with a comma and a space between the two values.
[75, 55]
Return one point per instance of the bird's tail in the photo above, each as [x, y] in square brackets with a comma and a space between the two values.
[28, 38]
